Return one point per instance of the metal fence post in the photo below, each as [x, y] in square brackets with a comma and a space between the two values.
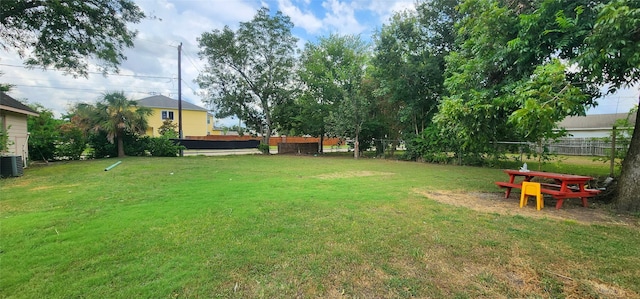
[613, 151]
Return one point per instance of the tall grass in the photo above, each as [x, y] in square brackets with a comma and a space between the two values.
[282, 226]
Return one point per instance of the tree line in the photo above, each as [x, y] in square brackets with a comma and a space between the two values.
[453, 76]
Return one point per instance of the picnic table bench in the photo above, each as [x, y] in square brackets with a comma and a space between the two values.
[565, 186]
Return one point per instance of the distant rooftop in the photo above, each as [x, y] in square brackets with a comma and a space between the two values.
[594, 121]
[161, 101]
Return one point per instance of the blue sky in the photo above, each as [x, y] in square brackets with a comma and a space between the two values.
[152, 66]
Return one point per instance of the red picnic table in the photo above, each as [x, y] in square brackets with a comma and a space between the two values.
[564, 186]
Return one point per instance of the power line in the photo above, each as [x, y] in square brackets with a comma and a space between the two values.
[44, 82]
[138, 38]
[192, 89]
[106, 84]
[192, 62]
[97, 73]
[75, 88]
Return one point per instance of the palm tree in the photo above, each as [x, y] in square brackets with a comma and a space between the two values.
[115, 115]
[120, 115]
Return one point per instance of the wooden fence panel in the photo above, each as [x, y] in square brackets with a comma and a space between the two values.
[298, 148]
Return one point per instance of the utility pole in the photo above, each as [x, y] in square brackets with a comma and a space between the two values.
[180, 133]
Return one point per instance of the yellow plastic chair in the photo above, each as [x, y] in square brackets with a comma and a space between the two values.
[531, 189]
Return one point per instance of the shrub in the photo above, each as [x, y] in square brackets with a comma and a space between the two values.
[429, 146]
[72, 142]
[264, 148]
[163, 147]
[100, 147]
[5, 143]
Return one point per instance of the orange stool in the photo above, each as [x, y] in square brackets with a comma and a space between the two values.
[531, 189]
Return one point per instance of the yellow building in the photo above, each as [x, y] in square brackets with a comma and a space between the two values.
[211, 130]
[196, 121]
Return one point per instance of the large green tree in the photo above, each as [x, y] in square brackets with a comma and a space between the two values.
[492, 74]
[409, 61]
[612, 56]
[409, 73]
[479, 77]
[322, 70]
[344, 73]
[68, 34]
[251, 70]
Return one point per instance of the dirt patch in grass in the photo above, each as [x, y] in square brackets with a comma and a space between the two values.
[18, 182]
[495, 202]
[352, 174]
[610, 291]
[53, 186]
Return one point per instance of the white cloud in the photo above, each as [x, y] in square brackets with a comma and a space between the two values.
[341, 17]
[307, 20]
[385, 9]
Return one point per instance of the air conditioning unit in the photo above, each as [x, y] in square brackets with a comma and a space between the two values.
[11, 166]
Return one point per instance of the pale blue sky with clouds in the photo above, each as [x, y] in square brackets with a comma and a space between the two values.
[152, 66]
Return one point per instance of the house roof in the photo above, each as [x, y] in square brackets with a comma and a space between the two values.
[10, 104]
[595, 121]
[160, 101]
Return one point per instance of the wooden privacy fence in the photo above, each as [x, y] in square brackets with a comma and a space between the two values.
[195, 144]
[273, 141]
[298, 148]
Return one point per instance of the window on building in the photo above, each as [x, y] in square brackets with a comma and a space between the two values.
[167, 114]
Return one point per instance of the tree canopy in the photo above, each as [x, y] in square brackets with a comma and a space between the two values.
[410, 71]
[323, 70]
[69, 34]
[251, 70]
[612, 48]
[338, 73]
[507, 53]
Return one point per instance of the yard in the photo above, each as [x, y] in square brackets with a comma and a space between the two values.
[285, 226]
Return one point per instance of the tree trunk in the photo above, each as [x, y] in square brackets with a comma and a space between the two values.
[266, 137]
[356, 147]
[120, 145]
[267, 117]
[628, 187]
[321, 145]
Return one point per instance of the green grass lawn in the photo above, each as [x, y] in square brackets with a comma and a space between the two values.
[285, 226]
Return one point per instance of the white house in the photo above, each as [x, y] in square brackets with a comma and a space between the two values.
[592, 126]
[13, 120]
